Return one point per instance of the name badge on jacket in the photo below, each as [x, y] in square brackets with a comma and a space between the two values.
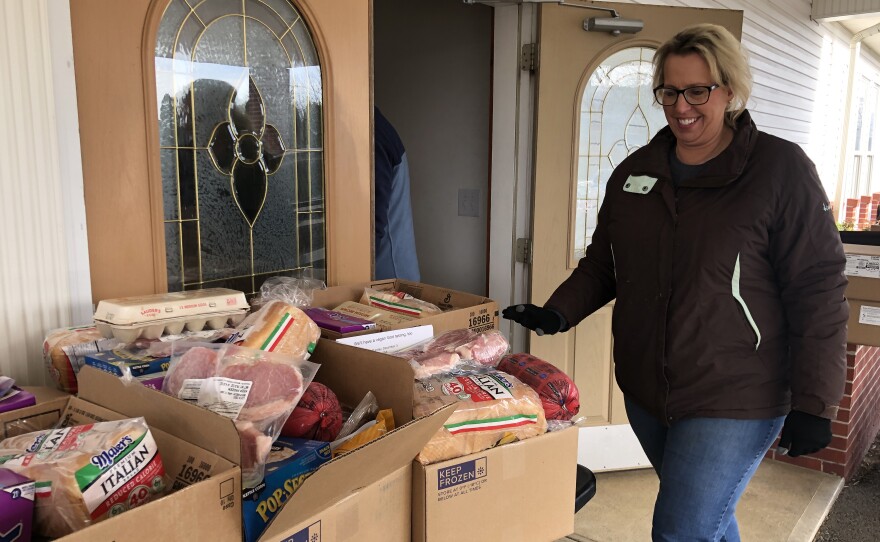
[639, 184]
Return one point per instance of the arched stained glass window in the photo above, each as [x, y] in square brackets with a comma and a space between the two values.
[618, 115]
[239, 92]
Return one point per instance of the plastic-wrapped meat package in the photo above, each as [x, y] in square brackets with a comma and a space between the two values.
[557, 390]
[491, 408]
[257, 389]
[86, 473]
[448, 351]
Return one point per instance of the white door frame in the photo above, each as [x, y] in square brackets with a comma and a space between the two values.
[513, 99]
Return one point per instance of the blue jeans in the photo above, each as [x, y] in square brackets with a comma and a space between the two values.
[704, 465]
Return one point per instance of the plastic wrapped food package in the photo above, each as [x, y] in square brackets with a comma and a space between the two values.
[257, 389]
[151, 316]
[64, 352]
[492, 408]
[278, 327]
[296, 291]
[449, 351]
[399, 302]
[557, 390]
[86, 473]
[317, 416]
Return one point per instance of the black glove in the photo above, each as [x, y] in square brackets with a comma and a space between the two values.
[804, 434]
[538, 319]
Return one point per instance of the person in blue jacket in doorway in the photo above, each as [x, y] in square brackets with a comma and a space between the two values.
[395, 241]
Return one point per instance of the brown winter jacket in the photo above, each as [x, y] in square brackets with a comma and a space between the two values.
[730, 288]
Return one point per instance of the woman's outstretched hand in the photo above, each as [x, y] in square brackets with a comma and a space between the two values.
[540, 320]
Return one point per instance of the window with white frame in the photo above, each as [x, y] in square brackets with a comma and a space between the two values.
[860, 199]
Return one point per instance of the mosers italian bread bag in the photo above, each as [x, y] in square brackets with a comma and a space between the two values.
[399, 302]
[86, 473]
[492, 408]
[278, 327]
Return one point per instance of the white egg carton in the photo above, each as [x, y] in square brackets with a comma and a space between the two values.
[152, 316]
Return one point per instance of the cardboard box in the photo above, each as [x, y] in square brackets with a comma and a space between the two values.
[863, 295]
[523, 491]
[460, 309]
[342, 482]
[291, 461]
[206, 500]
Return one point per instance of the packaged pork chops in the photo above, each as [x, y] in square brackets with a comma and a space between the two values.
[448, 351]
[86, 473]
[255, 388]
[492, 408]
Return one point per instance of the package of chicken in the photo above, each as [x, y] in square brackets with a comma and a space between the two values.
[86, 473]
[255, 388]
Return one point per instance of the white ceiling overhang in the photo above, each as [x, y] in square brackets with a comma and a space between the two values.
[840, 10]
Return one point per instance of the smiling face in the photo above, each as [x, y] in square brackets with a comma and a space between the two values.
[699, 129]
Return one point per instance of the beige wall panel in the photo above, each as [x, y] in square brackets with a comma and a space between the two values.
[113, 50]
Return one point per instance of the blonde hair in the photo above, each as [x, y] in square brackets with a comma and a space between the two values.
[727, 60]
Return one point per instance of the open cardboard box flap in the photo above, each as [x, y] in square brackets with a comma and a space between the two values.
[350, 372]
[194, 424]
[444, 298]
[159, 518]
[347, 474]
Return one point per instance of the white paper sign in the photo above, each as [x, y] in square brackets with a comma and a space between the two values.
[225, 396]
[860, 265]
[869, 315]
[391, 341]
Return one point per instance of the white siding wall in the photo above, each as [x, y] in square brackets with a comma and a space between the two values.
[800, 70]
[41, 183]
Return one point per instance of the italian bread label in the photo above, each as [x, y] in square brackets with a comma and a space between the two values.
[121, 477]
[479, 388]
[869, 315]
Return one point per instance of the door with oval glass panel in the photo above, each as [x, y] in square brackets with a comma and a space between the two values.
[594, 107]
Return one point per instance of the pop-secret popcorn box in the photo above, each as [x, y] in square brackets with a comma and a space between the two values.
[16, 505]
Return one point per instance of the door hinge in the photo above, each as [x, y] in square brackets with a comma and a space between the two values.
[524, 250]
[528, 58]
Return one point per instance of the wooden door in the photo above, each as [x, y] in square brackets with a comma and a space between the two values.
[114, 49]
[594, 107]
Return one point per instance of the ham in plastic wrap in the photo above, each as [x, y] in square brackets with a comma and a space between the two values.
[257, 389]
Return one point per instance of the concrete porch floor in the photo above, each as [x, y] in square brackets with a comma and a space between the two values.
[782, 503]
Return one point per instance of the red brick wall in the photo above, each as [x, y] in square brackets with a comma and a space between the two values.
[858, 420]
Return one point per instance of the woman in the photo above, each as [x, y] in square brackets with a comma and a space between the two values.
[730, 321]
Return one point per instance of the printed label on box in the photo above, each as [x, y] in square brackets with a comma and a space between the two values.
[312, 533]
[869, 315]
[461, 478]
[860, 265]
[480, 321]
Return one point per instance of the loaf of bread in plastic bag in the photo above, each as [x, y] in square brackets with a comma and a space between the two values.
[492, 408]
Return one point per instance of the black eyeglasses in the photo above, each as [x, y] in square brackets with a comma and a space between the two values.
[693, 95]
